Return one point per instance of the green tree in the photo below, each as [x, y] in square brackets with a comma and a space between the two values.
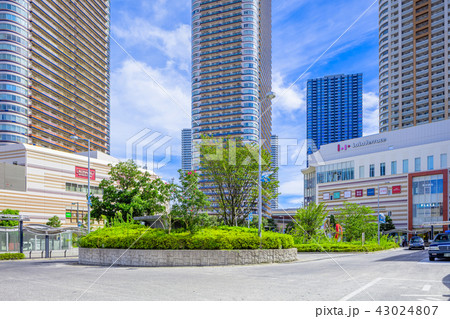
[9, 223]
[54, 222]
[130, 191]
[230, 169]
[388, 225]
[355, 220]
[309, 221]
[189, 200]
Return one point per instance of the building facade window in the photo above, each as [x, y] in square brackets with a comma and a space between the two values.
[444, 160]
[361, 172]
[382, 169]
[417, 164]
[393, 167]
[405, 166]
[428, 200]
[372, 170]
[430, 163]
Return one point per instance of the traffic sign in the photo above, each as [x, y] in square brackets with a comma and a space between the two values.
[250, 217]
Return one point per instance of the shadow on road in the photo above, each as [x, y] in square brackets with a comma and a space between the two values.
[412, 256]
[446, 282]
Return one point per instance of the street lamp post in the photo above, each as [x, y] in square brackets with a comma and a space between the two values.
[74, 137]
[269, 96]
[378, 212]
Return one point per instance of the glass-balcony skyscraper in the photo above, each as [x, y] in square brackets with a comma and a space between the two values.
[413, 62]
[54, 73]
[334, 109]
[231, 70]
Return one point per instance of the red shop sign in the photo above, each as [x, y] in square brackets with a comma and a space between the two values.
[82, 172]
[396, 189]
[359, 193]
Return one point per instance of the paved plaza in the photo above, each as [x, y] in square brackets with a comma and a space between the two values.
[397, 274]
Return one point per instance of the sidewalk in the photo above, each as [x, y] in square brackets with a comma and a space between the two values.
[53, 253]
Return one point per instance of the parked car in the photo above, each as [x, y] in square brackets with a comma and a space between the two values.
[416, 242]
[440, 247]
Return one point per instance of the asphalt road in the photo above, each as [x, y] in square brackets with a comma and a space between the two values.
[384, 276]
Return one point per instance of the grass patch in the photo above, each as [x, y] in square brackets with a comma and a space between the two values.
[11, 256]
[215, 238]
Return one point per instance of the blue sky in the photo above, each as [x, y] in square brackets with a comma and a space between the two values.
[150, 72]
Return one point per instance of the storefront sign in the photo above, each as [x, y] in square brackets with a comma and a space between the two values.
[68, 215]
[396, 189]
[371, 192]
[326, 196]
[336, 195]
[81, 172]
[348, 194]
[383, 190]
[359, 193]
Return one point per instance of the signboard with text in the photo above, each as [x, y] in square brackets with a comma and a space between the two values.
[396, 189]
[348, 194]
[371, 192]
[383, 191]
[81, 172]
[326, 196]
[359, 193]
[336, 195]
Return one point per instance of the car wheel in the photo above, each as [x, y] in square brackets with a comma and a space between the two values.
[423, 248]
[431, 258]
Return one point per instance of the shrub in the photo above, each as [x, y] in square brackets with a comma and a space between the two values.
[11, 256]
[346, 247]
[215, 238]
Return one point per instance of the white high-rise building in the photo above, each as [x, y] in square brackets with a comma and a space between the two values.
[413, 62]
[186, 149]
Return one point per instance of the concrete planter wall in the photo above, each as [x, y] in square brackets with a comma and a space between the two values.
[170, 258]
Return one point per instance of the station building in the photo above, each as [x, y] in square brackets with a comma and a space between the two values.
[403, 174]
[41, 182]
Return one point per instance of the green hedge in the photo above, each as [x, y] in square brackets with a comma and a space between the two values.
[223, 237]
[10, 256]
[345, 247]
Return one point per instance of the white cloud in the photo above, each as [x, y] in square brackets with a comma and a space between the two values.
[289, 98]
[174, 43]
[371, 113]
[138, 102]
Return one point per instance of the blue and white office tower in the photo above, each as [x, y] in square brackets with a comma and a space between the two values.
[334, 109]
[186, 149]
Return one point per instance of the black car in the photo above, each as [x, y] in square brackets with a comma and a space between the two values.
[440, 247]
[416, 242]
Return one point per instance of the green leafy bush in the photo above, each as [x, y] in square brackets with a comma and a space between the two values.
[215, 238]
[11, 256]
[346, 247]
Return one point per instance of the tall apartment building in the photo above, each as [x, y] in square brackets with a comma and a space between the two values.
[334, 109]
[414, 60]
[54, 73]
[186, 149]
[231, 70]
[275, 164]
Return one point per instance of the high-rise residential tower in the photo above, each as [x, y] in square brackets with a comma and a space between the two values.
[186, 149]
[231, 68]
[275, 164]
[54, 73]
[413, 62]
[334, 109]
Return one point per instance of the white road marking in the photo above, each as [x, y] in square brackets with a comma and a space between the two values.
[358, 291]
[426, 288]
[421, 295]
